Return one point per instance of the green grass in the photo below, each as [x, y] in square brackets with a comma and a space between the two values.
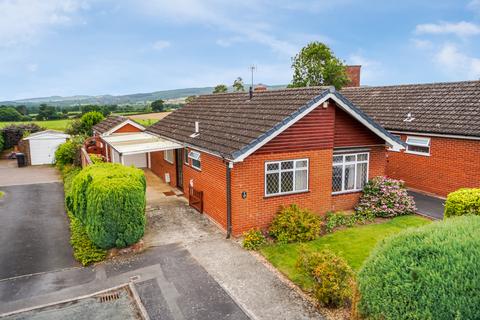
[353, 244]
[146, 122]
[59, 125]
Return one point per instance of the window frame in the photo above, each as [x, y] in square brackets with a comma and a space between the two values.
[166, 158]
[427, 145]
[195, 158]
[186, 159]
[279, 171]
[343, 164]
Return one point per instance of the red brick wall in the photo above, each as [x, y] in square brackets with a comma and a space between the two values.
[452, 164]
[127, 128]
[211, 179]
[350, 132]
[377, 167]
[160, 166]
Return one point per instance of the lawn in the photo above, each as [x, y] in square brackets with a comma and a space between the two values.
[353, 244]
[59, 125]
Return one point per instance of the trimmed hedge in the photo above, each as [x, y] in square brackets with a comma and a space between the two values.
[431, 272]
[463, 201]
[294, 224]
[68, 153]
[109, 200]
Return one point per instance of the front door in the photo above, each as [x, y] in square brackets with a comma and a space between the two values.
[179, 167]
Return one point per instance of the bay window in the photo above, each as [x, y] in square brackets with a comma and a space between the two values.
[286, 177]
[350, 172]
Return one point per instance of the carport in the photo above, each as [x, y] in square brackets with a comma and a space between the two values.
[135, 148]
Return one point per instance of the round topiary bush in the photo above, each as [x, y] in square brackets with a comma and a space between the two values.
[430, 272]
[385, 197]
[109, 200]
[463, 201]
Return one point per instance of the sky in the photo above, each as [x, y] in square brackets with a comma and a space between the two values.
[94, 47]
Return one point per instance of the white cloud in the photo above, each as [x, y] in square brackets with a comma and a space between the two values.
[245, 20]
[24, 21]
[474, 5]
[453, 61]
[460, 29]
[160, 45]
[372, 71]
[32, 67]
[422, 44]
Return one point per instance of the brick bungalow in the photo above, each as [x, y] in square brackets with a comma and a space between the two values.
[251, 154]
[440, 124]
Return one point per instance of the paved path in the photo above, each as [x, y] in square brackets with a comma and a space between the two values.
[34, 234]
[251, 284]
[10, 174]
[427, 205]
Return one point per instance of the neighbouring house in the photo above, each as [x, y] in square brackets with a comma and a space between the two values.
[39, 147]
[440, 124]
[251, 154]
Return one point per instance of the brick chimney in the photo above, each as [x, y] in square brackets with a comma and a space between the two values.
[353, 73]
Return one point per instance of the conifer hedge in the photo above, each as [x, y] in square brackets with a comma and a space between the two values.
[431, 272]
[109, 200]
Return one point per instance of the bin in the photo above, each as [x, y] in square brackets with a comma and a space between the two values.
[21, 161]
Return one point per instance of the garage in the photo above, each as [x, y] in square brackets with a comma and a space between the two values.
[40, 147]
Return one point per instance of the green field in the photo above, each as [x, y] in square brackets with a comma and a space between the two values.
[59, 125]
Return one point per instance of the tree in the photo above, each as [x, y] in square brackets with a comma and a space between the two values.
[221, 88]
[46, 112]
[158, 105]
[22, 109]
[190, 99]
[238, 85]
[9, 114]
[316, 65]
[88, 120]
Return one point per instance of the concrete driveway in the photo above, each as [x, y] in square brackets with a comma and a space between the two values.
[34, 234]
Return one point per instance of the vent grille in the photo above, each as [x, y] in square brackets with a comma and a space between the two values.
[109, 297]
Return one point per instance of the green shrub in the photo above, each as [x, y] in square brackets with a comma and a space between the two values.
[2, 194]
[463, 201]
[384, 197]
[84, 250]
[109, 200]
[253, 239]
[431, 272]
[13, 133]
[293, 224]
[333, 277]
[339, 219]
[1, 140]
[68, 153]
[96, 158]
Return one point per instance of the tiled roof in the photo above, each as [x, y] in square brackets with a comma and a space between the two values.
[109, 123]
[231, 123]
[442, 108]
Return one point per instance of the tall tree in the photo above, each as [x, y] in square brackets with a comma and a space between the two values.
[238, 85]
[316, 65]
[190, 99]
[221, 88]
[158, 105]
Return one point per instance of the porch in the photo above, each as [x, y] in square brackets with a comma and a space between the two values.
[160, 193]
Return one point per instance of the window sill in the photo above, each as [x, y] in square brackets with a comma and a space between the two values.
[418, 153]
[284, 194]
[338, 193]
[168, 161]
[195, 168]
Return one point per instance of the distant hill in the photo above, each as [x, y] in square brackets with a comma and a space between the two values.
[175, 96]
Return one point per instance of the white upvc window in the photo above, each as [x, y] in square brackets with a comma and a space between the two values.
[286, 177]
[418, 145]
[195, 158]
[168, 156]
[350, 172]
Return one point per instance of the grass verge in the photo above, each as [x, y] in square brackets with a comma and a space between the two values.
[84, 250]
[353, 244]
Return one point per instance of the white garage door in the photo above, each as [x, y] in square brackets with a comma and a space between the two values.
[137, 160]
[42, 151]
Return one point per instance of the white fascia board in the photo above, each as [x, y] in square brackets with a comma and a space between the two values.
[440, 135]
[128, 121]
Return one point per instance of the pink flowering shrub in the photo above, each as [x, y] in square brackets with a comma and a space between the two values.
[384, 197]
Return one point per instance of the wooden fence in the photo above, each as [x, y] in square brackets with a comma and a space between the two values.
[195, 199]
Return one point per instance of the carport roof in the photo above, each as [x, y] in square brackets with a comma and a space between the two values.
[139, 142]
